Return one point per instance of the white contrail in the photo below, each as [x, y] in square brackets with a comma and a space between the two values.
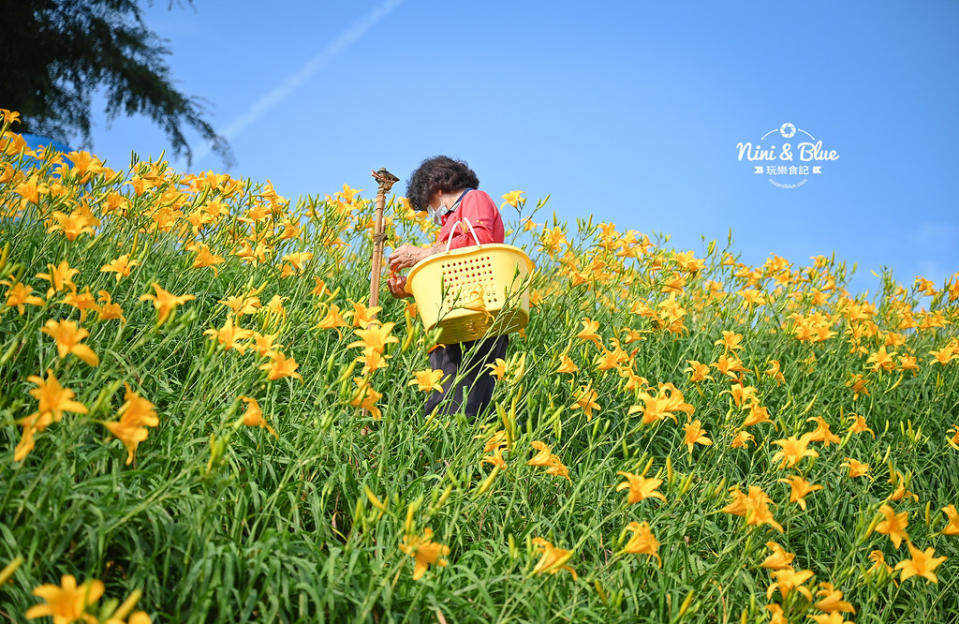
[280, 93]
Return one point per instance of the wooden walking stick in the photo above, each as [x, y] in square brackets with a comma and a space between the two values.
[386, 180]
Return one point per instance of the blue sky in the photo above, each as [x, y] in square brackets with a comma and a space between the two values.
[630, 111]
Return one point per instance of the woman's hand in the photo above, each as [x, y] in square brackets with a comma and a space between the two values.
[406, 256]
[397, 286]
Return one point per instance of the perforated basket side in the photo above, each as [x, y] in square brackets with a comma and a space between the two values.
[445, 285]
[462, 275]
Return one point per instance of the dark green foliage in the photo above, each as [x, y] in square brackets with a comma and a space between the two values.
[56, 54]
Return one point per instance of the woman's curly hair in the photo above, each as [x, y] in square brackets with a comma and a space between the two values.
[440, 173]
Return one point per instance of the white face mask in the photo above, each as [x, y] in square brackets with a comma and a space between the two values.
[437, 214]
[442, 211]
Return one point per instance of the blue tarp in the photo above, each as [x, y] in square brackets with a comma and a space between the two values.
[35, 141]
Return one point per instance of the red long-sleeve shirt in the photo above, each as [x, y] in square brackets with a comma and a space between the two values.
[478, 207]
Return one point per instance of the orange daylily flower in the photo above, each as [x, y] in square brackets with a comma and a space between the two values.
[586, 401]
[333, 319]
[741, 439]
[375, 337]
[668, 399]
[495, 459]
[799, 488]
[427, 380]
[363, 316]
[792, 450]
[566, 365]
[280, 366]
[830, 618]
[774, 372]
[19, 295]
[425, 551]
[205, 258]
[52, 400]
[82, 301]
[779, 559]
[698, 371]
[695, 434]
[136, 414]
[68, 337]
[856, 468]
[822, 432]
[553, 559]
[242, 304]
[106, 309]
[754, 507]
[253, 416]
[831, 600]
[730, 341]
[512, 198]
[859, 425]
[229, 335]
[642, 542]
[922, 563]
[640, 488]
[60, 277]
[265, 344]
[952, 526]
[165, 302]
[589, 331]
[787, 580]
[67, 602]
[366, 398]
[894, 525]
[121, 266]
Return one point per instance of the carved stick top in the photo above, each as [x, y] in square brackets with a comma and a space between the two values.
[385, 179]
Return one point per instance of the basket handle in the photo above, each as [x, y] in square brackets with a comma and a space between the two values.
[449, 239]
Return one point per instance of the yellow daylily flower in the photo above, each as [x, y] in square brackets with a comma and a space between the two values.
[793, 450]
[165, 302]
[512, 198]
[253, 416]
[952, 526]
[280, 367]
[67, 602]
[894, 525]
[19, 295]
[120, 266]
[642, 542]
[424, 551]
[799, 488]
[553, 559]
[427, 380]
[695, 434]
[68, 337]
[640, 488]
[136, 414]
[922, 563]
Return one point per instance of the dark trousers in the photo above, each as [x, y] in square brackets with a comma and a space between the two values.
[468, 380]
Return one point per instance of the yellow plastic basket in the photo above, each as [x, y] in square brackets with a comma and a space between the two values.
[472, 292]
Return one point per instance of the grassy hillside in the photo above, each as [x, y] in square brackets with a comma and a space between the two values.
[676, 436]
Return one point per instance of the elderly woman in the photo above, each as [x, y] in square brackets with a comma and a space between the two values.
[446, 188]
